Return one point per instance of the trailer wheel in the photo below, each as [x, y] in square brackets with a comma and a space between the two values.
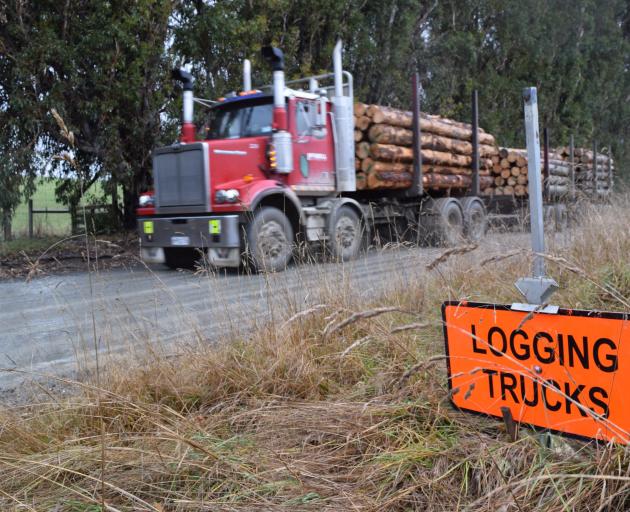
[448, 226]
[475, 219]
[180, 257]
[270, 240]
[346, 234]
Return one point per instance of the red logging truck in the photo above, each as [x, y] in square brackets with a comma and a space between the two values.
[275, 169]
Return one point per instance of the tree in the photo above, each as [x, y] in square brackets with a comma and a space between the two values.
[103, 66]
[18, 136]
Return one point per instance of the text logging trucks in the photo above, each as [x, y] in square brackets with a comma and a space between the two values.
[275, 167]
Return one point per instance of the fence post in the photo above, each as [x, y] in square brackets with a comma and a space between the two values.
[572, 165]
[546, 191]
[30, 218]
[610, 172]
[594, 177]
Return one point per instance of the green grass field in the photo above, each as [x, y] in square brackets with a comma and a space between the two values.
[45, 225]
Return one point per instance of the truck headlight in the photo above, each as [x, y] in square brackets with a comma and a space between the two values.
[146, 200]
[226, 196]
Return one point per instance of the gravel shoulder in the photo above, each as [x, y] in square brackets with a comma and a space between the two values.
[52, 323]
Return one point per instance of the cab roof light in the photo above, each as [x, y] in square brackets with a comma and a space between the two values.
[248, 93]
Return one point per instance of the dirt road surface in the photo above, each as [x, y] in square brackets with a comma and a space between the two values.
[48, 325]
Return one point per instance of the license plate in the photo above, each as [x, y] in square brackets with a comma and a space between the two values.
[180, 240]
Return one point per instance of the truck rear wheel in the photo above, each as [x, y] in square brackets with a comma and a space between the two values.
[475, 219]
[346, 234]
[270, 240]
[180, 257]
[448, 226]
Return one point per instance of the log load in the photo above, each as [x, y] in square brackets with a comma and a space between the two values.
[558, 182]
[384, 154]
[509, 173]
[592, 179]
[384, 179]
[430, 124]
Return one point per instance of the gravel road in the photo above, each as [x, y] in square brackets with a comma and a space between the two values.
[47, 325]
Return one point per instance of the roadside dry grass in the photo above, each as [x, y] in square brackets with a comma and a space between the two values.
[339, 406]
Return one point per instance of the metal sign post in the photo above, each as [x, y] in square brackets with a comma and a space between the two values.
[538, 288]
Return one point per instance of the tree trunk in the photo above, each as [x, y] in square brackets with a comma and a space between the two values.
[360, 109]
[130, 203]
[362, 122]
[370, 166]
[361, 181]
[398, 178]
[388, 180]
[386, 134]
[6, 224]
[362, 150]
[394, 153]
[435, 125]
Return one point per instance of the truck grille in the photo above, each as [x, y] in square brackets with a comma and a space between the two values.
[180, 174]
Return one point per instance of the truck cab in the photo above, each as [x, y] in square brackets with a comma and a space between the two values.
[267, 167]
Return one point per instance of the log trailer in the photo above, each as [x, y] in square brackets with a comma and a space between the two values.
[275, 168]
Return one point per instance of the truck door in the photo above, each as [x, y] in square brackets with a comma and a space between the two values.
[313, 151]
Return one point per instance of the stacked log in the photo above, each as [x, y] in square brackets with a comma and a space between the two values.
[592, 179]
[384, 154]
[558, 183]
[509, 173]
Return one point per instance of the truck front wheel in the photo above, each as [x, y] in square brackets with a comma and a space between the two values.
[270, 240]
[346, 234]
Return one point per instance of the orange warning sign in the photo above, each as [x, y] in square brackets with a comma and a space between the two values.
[568, 372]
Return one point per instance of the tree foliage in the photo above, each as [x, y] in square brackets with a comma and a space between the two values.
[104, 65]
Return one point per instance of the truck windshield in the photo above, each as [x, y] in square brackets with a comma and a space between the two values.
[237, 120]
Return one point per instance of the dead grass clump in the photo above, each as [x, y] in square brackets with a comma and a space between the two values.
[338, 406]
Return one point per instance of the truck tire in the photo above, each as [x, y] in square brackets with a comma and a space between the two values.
[346, 234]
[475, 219]
[448, 222]
[180, 257]
[269, 240]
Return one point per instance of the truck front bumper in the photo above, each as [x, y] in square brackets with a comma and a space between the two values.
[217, 234]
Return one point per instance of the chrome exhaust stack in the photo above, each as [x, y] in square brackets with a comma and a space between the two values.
[188, 128]
[247, 75]
[281, 138]
[344, 128]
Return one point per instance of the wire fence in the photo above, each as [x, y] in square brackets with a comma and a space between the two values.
[54, 219]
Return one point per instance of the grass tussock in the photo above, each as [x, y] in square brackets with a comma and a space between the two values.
[342, 405]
